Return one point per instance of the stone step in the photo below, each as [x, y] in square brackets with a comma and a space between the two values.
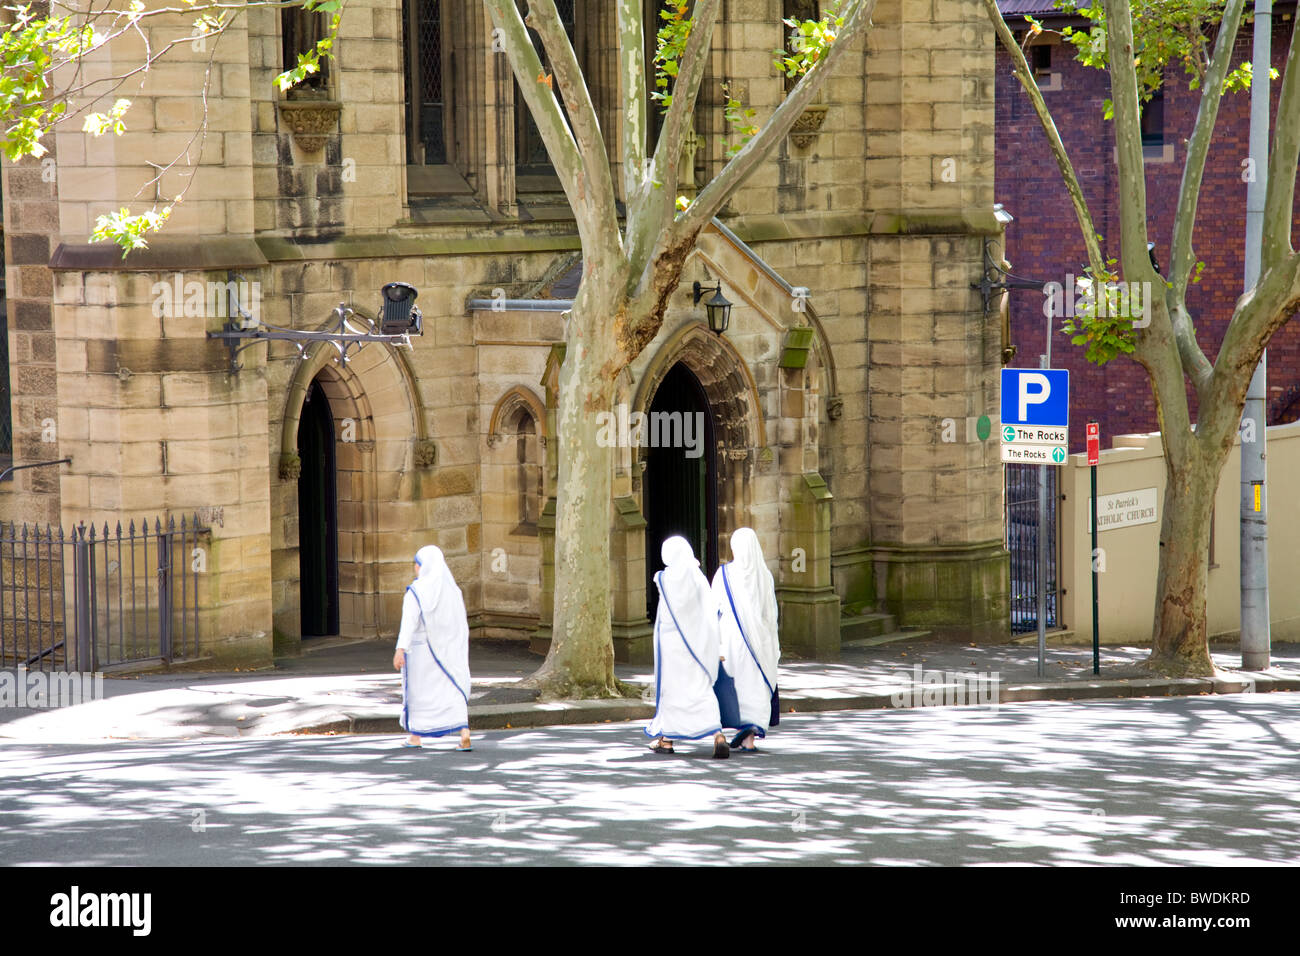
[910, 634]
[857, 627]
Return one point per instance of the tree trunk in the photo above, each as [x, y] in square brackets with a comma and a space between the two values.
[580, 662]
[1180, 645]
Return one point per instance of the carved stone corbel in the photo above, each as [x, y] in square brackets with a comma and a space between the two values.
[310, 121]
[804, 132]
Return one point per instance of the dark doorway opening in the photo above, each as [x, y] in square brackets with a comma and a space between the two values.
[318, 525]
[681, 492]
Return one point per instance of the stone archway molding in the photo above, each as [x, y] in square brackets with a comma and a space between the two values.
[726, 379]
[515, 398]
[318, 357]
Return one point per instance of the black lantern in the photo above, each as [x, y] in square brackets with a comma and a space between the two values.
[716, 306]
[400, 314]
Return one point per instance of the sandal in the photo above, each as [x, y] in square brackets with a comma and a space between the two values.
[662, 748]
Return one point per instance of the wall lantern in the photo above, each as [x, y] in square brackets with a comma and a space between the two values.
[716, 307]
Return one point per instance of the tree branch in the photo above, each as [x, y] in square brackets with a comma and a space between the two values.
[1059, 153]
[1128, 144]
[578, 153]
[1280, 199]
[633, 78]
[652, 206]
[1198, 148]
[686, 88]
[1259, 314]
[712, 198]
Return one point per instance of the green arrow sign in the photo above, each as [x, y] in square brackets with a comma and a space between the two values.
[1008, 434]
[1058, 455]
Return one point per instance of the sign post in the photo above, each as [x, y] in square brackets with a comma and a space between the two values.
[1035, 406]
[1094, 457]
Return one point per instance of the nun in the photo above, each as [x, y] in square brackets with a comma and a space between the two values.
[746, 602]
[686, 654]
[433, 653]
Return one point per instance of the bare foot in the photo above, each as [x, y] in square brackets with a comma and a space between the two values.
[414, 740]
[464, 739]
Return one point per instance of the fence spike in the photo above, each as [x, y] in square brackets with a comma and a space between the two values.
[171, 522]
[119, 530]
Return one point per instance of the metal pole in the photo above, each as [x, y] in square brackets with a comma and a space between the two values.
[1255, 636]
[1042, 546]
[84, 642]
[1096, 638]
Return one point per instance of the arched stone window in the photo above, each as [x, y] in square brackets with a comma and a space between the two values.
[528, 473]
[517, 423]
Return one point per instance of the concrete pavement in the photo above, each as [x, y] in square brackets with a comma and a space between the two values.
[351, 688]
[1201, 781]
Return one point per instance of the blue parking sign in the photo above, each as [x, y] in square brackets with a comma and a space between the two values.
[1036, 396]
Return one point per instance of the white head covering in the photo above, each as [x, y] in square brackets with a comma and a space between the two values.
[687, 591]
[433, 574]
[754, 593]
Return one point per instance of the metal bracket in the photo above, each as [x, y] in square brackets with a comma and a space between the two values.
[4, 475]
[345, 334]
[997, 278]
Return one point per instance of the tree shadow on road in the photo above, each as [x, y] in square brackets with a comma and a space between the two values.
[1165, 781]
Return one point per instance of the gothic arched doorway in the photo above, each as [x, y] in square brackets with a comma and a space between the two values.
[681, 475]
[318, 529]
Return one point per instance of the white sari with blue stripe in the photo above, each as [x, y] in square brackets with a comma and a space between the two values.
[746, 598]
[686, 649]
[435, 636]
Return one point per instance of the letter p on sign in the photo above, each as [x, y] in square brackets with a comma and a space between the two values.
[1034, 390]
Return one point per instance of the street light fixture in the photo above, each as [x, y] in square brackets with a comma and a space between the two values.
[716, 307]
[399, 318]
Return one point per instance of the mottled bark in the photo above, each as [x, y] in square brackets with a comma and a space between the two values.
[1179, 642]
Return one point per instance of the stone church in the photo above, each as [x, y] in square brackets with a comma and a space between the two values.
[837, 407]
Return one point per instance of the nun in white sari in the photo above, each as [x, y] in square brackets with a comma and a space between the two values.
[746, 601]
[433, 653]
[686, 654]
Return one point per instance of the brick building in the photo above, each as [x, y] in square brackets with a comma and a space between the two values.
[411, 160]
[1044, 243]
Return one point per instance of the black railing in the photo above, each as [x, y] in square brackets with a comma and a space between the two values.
[92, 599]
[1022, 542]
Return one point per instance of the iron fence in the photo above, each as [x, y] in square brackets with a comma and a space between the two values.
[1022, 542]
[92, 599]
